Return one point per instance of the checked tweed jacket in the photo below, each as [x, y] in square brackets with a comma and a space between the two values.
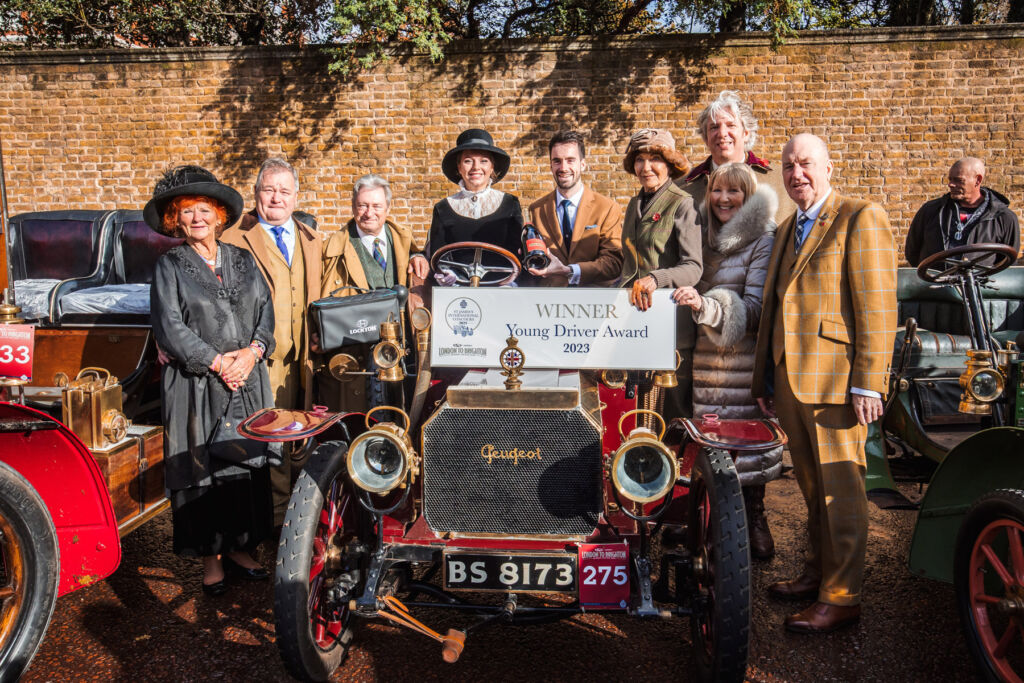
[831, 309]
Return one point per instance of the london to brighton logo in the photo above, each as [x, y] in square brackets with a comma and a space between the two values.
[463, 316]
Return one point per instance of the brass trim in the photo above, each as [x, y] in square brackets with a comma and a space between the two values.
[646, 439]
[534, 398]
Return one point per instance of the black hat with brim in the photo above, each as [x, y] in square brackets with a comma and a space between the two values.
[479, 140]
[190, 180]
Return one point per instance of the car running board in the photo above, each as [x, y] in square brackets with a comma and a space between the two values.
[890, 499]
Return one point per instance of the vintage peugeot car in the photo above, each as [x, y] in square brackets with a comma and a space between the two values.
[534, 488]
[955, 420]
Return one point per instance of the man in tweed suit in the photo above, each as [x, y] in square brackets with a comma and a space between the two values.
[827, 324]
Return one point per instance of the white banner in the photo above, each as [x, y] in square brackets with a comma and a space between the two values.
[570, 328]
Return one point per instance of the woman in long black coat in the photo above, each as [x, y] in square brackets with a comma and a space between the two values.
[212, 314]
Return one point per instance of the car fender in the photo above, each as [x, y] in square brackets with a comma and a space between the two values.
[991, 459]
[65, 475]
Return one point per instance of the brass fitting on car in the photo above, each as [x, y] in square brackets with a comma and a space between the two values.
[982, 383]
[388, 352]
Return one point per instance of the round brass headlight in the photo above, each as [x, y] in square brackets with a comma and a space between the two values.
[985, 385]
[378, 460]
[644, 469]
[387, 354]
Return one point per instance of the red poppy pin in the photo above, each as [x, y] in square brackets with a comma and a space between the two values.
[656, 217]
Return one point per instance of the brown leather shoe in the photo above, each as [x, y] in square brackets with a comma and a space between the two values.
[803, 587]
[822, 617]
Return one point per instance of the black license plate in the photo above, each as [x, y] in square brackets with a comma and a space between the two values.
[512, 573]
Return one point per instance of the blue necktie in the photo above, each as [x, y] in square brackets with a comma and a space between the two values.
[566, 224]
[278, 232]
[803, 226]
[378, 253]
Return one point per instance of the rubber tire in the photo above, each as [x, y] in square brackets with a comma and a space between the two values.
[727, 549]
[993, 506]
[30, 521]
[303, 658]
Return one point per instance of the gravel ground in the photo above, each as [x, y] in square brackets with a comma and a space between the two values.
[150, 621]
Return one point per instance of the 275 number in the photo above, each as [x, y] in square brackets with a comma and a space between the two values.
[598, 576]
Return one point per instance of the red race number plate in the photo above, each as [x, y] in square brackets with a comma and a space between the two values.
[16, 345]
[604, 575]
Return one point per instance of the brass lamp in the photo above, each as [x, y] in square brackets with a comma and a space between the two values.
[388, 352]
[982, 383]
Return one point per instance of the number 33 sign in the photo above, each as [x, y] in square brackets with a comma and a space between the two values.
[17, 343]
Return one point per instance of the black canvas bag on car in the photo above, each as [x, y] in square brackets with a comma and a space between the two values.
[355, 319]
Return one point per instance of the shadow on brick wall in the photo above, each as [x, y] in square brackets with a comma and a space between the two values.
[276, 107]
[595, 87]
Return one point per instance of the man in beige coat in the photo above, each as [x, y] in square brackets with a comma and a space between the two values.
[288, 254]
[583, 229]
[827, 327]
[368, 253]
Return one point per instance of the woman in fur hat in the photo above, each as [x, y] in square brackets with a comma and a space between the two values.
[477, 212]
[661, 241]
[212, 314]
[726, 306]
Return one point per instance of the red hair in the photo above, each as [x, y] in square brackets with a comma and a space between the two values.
[176, 205]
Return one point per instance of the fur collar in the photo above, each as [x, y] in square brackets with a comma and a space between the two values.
[755, 218]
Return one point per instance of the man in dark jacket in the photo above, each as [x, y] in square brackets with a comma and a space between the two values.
[968, 214]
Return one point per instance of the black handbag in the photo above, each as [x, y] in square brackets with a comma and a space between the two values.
[225, 443]
[355, 319]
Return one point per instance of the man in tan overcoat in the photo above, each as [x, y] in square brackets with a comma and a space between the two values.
[582, 229]
[368, 253]
[827, 328]
[289, 254]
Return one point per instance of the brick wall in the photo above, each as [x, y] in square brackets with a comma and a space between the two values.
[95, 129]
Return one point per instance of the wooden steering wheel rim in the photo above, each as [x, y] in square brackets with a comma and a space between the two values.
[1008, 254]
[492, 248]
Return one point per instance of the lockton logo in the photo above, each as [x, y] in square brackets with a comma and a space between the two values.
[463, 316]
[490, 453]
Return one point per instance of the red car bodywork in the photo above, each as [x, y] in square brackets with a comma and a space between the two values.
[67, 478]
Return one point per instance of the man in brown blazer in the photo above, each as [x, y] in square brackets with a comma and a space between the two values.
[368, 253]
[288, 254]
[827, 328]
[583, 229]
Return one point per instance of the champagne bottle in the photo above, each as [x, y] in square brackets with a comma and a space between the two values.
[535, 255]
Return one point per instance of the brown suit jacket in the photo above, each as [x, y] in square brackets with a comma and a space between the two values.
[596, 237]
[311, 243]
[838, 304]
[342, 267]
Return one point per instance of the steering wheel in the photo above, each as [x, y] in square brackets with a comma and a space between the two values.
[477, 264]
[1005, 256]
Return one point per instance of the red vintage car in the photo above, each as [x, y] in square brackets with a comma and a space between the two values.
[523, 500]
[75, 475]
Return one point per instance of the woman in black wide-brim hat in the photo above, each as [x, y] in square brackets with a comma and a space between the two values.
[477, 212]
[212, 314]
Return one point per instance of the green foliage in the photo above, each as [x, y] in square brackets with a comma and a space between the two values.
[360, 31]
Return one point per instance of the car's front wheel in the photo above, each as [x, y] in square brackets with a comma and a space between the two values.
[988, 574]
[314, 629]
[718, 542]
[29, 572]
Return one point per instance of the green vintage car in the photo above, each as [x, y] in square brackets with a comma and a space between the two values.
[955, 420]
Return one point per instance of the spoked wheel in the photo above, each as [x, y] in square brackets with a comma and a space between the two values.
[989, 579]
[29, 572]
[312, 585]
[717, 539]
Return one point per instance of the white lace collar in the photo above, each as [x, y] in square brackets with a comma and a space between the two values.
[470, 204]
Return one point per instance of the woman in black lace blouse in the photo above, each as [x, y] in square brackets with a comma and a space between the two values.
[212, 314]
[477, 212]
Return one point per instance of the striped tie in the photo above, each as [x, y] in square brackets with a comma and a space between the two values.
[803, 226]
[378, 253]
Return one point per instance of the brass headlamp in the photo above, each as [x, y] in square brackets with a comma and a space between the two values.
[382, 458]
[982, 383]
[643, 469]
[388, 352]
